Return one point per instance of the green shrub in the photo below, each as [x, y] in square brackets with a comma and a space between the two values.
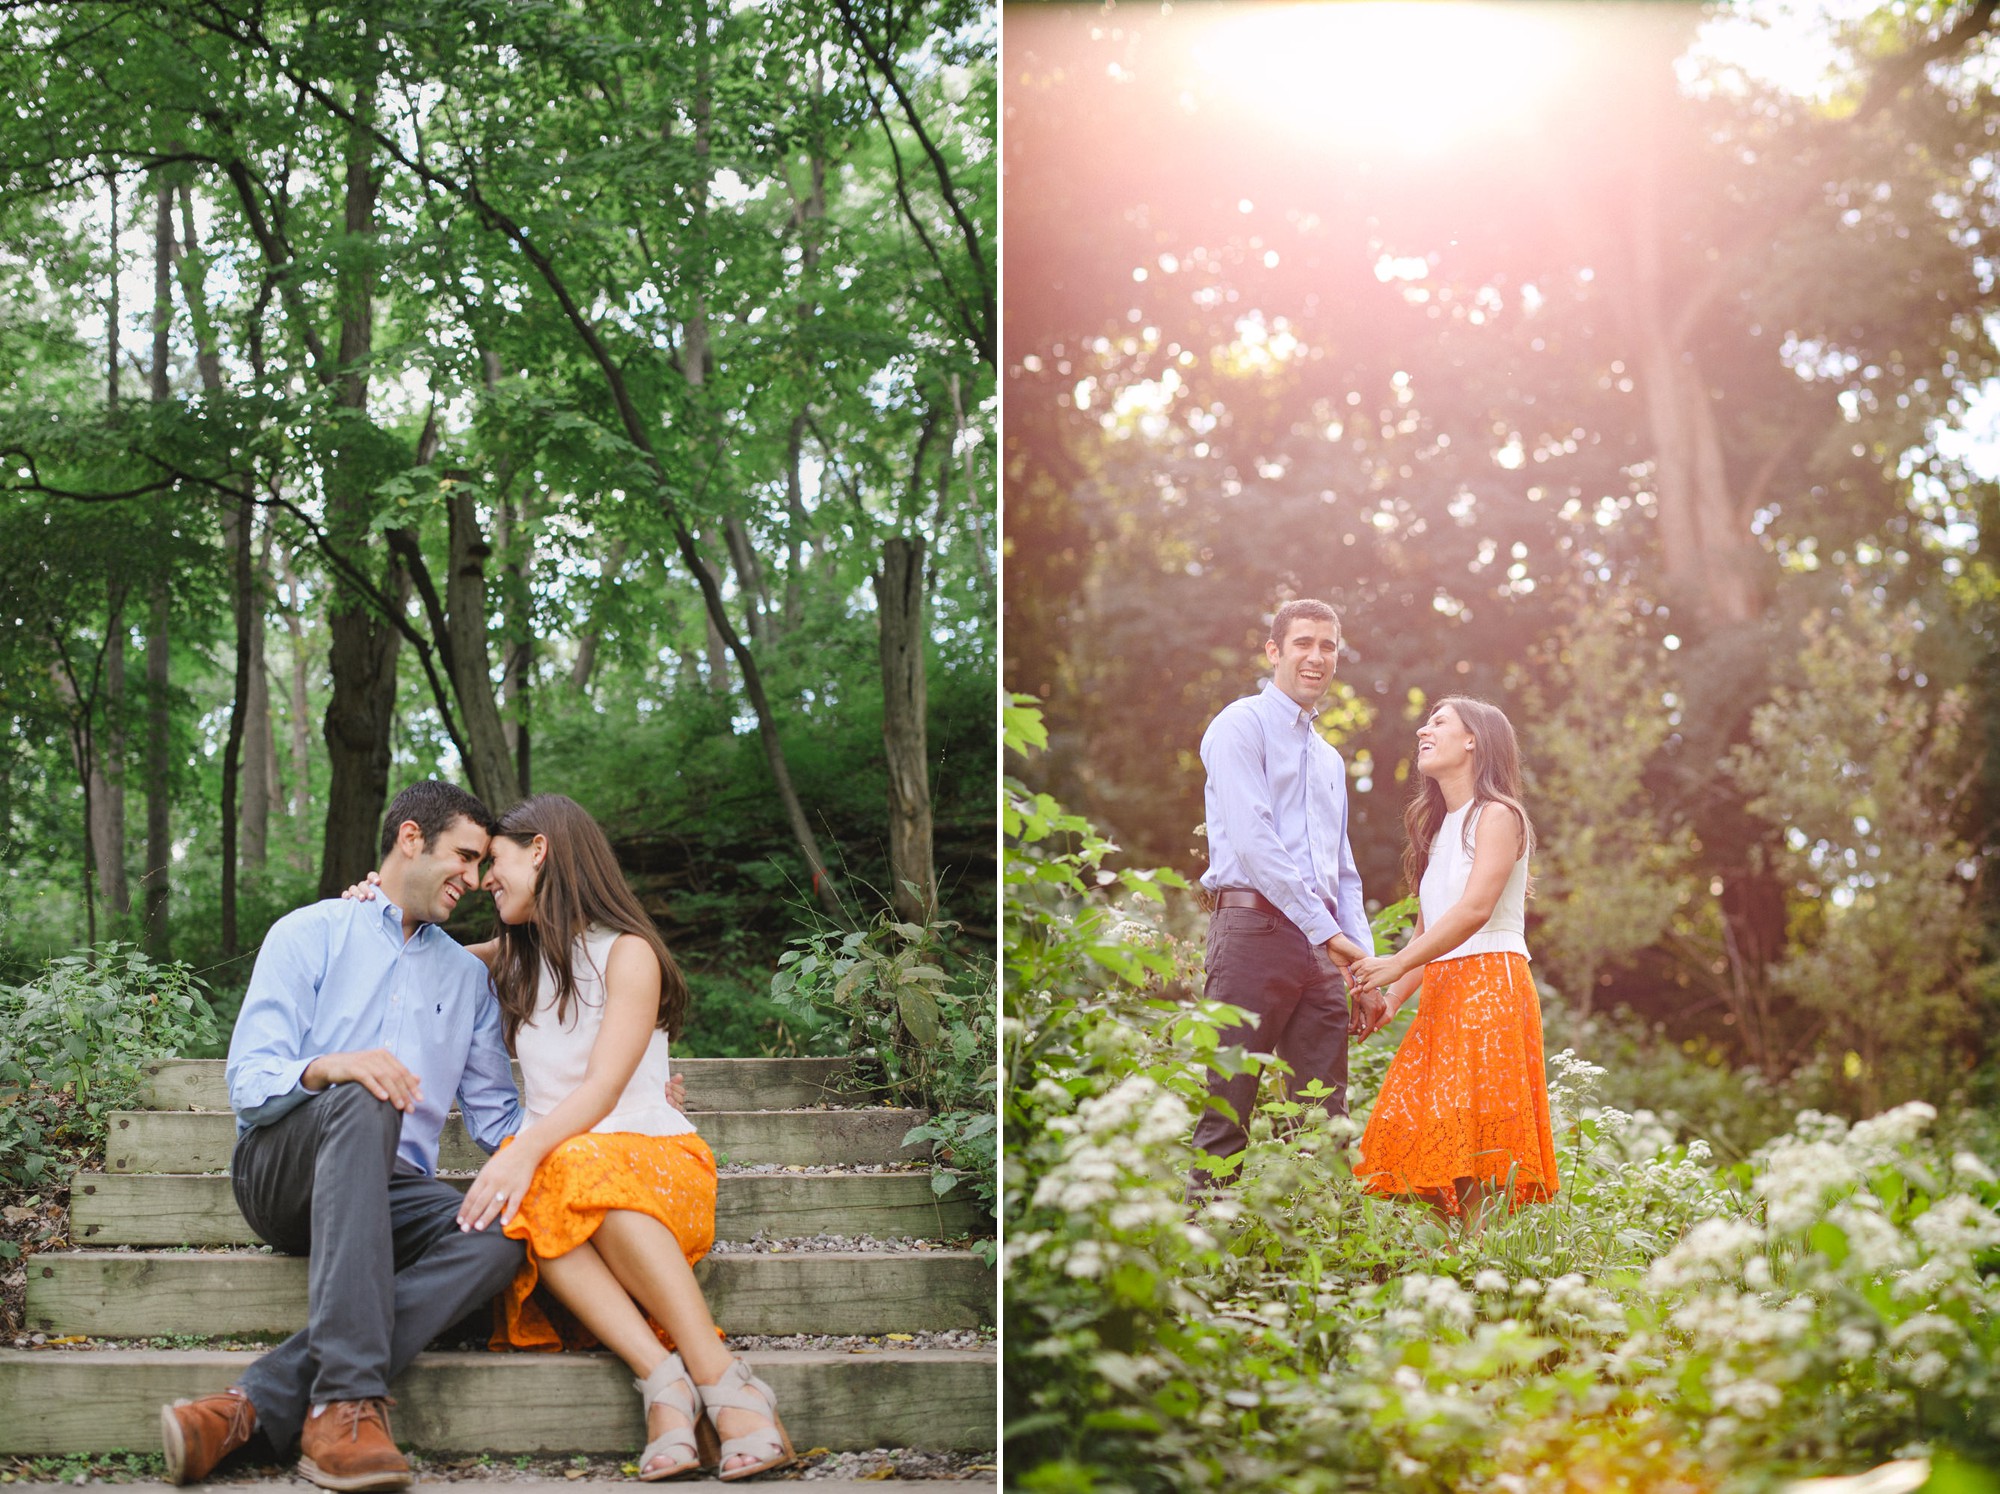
[919, 1031]
[72, 1043]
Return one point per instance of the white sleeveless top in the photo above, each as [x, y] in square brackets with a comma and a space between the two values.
[553, 1058]
[1445, 876]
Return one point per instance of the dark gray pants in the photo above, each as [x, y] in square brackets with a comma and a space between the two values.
[389, 1269]
[1262, 963]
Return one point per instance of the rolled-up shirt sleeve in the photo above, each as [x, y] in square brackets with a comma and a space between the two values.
[266, 1057]
[487, 1099]
[1232, 752]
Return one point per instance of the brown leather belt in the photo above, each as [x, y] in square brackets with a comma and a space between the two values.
[1244, 897]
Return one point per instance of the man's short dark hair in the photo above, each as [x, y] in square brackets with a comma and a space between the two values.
[1298, 607]
[432, 805]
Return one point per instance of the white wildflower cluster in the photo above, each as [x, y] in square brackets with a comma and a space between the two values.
[1923, 1348]
[1729, 1322]
[1637, 1137]
[1571, 1082]
[1967, 1168]
[1575, 1307]
[1715, 1250]
[1796, 1177]
[1114, 1177]
[1438, 1299]
[1893, 1128]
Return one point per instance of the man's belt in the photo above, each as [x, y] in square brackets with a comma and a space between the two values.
[1244, 897]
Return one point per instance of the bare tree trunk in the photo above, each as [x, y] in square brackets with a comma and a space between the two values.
[259, 752]
[107, 773]
[899, 595]
[361, 711]
[717, 647]
[749, 579]
[159, 782]
[795, 523]
[490, 764]
[112, 309]
[159, 720]
[240, 533]
[300, 710]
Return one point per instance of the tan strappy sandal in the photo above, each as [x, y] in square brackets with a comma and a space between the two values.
[691, 1446]
[739, 1390]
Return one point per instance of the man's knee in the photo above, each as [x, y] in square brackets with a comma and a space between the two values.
[494, 1259]
[354, 1105]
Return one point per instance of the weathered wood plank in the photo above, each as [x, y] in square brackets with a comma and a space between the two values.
[713, 1083]
[201, 1140]
[156, 1294]
[197, 1208]
[57, 1402]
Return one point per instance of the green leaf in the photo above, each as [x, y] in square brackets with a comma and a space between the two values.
[919, 1012]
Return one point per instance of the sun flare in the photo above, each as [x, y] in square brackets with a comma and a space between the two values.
[1420, 74]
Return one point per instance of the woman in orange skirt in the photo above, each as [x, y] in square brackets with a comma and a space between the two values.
[606, 1180]
[1463, 1115]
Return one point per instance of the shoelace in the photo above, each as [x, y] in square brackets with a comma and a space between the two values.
[355, 1411]
[241, 1416]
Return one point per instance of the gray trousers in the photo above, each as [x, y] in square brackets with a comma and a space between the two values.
[1261, 962]
[389, 1267]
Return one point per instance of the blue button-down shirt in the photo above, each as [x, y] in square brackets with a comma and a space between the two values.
[338, 977]
[1277, 815]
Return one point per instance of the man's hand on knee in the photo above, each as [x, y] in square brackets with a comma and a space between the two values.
[376, 1070]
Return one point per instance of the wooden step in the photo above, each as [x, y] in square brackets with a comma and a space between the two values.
[201, 1140]
[164, 1208]
[712, 1083]
[60, 1401]
[156, 1294]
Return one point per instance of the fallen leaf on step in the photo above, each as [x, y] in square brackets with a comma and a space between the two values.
[572, 1473]
[879, 1473]
[901, 1338]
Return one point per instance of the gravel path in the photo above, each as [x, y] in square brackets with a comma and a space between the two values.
[873, 1467]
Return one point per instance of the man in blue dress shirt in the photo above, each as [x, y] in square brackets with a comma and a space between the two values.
[363, 1022]
[1288, 913]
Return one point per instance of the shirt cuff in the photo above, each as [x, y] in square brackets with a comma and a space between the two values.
[288, 1092]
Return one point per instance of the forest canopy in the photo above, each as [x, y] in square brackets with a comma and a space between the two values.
[588, 398]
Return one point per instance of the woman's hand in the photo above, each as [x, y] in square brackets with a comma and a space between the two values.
[497, 1192]
[1377, 972]
[364, 890]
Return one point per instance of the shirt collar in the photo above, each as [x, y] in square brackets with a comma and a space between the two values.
[1281, 707]
[392, 918]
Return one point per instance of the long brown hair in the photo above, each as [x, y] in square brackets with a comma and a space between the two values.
[577, 884]
[1496, 779]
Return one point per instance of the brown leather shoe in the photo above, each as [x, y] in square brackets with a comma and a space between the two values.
[196, 1435]
[346, 1445]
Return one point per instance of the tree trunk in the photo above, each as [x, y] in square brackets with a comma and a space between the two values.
[795, 523]
[361, 710]
[489, 763]
[159, 720]
[749, 580]
[300, 711]
[899, 610]
[107, 773]
[259, 766]
[159, 782]
[240, 536]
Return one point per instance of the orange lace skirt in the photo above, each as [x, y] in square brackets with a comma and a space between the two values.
[1466, 1095]
[669, 1178]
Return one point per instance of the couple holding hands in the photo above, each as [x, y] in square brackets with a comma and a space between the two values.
[363, 1021]
[1463, 1115]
